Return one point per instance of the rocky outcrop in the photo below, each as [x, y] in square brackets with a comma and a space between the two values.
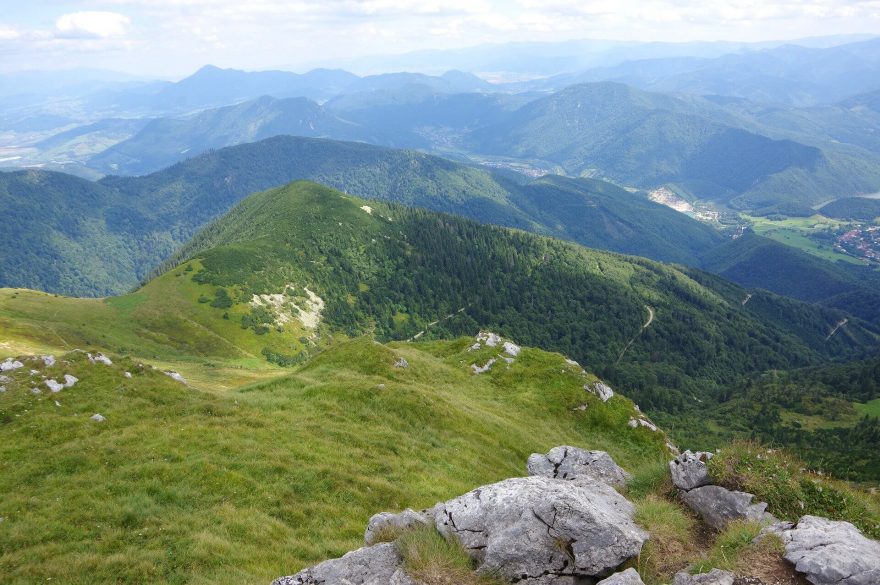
[831, 552]
[713, 577]
[628, 577]
[717, 506]
[10, 364]
[689, 470]
[387, 524]
[380, 564]
[531, 528]
[567, 462]
[600, 389]
[401, 363]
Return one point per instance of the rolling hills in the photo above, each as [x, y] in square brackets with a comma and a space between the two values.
[137, 222]
[396, 271]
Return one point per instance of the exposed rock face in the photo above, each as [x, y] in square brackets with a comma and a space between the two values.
[628, 577]
[54, 386]
[718, 506]
[831, 552]
[529, 528]
[488, 338]
[372, 565]
[511, 348]
[570, 462]
[10, 364]
[401, 363]
[689, 470]
[99, 359]
[713, 577]
[384, 522]
[600, 389]
[484, 368]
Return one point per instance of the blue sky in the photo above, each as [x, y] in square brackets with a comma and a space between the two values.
[171, 38]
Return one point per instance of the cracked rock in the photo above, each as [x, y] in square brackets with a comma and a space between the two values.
[689, 470]
[832, 552]
[380, 564]
[713, 577]
[628, 577]
[571, 462]
[532, 528]
[600, 389]
[718, 506]
[383, 523]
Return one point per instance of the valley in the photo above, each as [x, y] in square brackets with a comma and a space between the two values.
[545, 310]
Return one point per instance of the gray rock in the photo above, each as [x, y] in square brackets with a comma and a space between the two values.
[533, 527]
[48, 360]
[570, 462]
[511, 348]
[54, 386]
[395, 523]
[401, 363]
[69, 380]
[689, 470]
[10, 364]
[600, 389]
[628, 577]
[718, 506]
[380, 564]
[832, 552]
[713, 577]
[99, 359]
[175, 376]
[484, 368]
[98, 417]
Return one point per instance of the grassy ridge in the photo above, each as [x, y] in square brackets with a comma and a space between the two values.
[183, 486]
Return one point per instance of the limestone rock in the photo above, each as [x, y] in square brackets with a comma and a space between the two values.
[689, 470]
[395, 523]
[713, 577]
[175, 376]
[628, 577]
[832, 552]
[401, 363]
[484, 368]
[600, 389]
[718, 506]
[69, 380]
[54, 386]
[380, 564]
[511, 348]
[48, 360]
[99, 359]
[567, 462]
[98, 417]
[10, 364]
[527, 528]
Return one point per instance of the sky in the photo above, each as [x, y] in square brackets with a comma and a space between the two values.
[172, 38]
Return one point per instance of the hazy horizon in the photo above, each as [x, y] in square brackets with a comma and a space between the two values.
[173, 38]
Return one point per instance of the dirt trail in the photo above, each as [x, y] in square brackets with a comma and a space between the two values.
[836, 327]
[631, 341]
[432, 323]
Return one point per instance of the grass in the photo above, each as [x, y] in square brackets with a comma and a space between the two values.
[180, 485]
[671, 546]
[729, 547]
[779, 479]
[434, 560]
[795, 232]
[871, 408]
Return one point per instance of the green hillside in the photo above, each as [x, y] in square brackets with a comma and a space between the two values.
[858, 208]
[179, 485]
[755, 261]
[647, 139]
[112, 233]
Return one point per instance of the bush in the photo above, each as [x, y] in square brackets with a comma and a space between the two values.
[781, 480]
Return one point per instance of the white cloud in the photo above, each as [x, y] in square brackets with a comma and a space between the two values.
[8, 33]
[91, 25]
